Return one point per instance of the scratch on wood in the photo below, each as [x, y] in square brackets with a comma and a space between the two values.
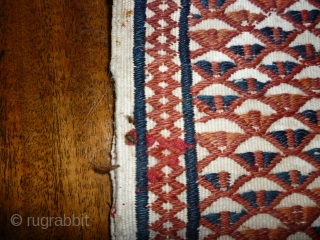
[93, 108]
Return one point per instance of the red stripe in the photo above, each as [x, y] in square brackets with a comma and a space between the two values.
[251, 84]
[305, 16]
[218, 102]
[281, 68]
[277, 34]
[309, 51]
[261, 198]
[247, 51]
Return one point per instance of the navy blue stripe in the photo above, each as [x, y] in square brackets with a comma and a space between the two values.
[142, 214]
[190, 155]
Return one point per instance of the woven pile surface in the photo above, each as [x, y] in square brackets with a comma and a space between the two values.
[217, 119]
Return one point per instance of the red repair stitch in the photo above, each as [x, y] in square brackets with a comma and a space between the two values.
[152, 177]
[150, 140]
[174, 162]
[179, 143]
[113, 211]
[163, 143]
[131, 137]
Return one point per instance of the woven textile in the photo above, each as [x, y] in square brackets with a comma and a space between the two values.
[217, 119]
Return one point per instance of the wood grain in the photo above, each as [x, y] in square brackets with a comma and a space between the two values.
[56, 116]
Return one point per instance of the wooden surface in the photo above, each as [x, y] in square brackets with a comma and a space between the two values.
[56, 111]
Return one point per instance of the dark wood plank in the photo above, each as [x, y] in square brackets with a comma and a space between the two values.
[56, 114]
